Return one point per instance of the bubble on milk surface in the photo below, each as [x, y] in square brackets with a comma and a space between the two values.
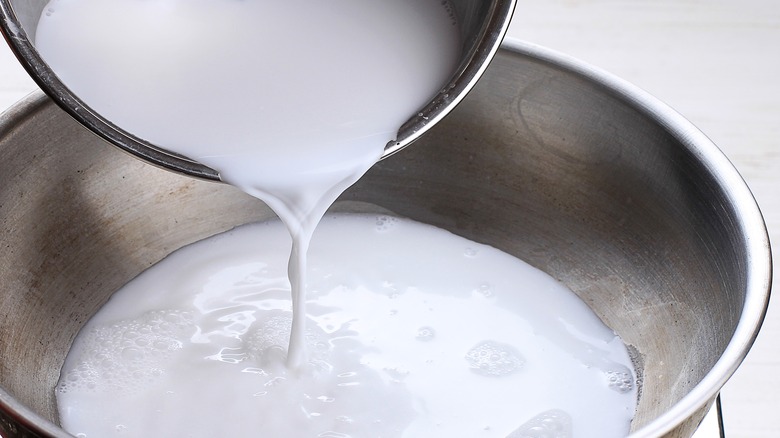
[554, 423]
[269, 338]
[484, 290]
[620, 380]
[494, 359]
[425, 334]
[385, 223]
[396, 374]
[129, 354]
[273, 332]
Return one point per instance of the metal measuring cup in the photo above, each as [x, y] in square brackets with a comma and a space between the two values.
[483, 24]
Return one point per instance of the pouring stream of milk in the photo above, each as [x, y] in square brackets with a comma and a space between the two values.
[291, 101]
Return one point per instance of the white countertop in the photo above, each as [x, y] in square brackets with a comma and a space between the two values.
[715, 61]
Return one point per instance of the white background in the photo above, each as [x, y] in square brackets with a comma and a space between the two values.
[715, 61]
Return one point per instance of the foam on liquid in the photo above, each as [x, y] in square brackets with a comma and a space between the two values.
[413, 332]
[410, 331]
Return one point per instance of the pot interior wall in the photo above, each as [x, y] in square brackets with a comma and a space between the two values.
[537, 161]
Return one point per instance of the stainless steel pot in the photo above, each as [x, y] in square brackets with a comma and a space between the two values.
[482, 25]
[569, 168]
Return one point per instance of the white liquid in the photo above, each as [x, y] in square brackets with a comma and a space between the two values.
[291, 101]
[413, 332]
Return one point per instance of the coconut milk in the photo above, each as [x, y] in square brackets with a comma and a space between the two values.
[406, 331]
[412, 332]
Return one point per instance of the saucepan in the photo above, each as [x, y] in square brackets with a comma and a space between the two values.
[482, 25]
